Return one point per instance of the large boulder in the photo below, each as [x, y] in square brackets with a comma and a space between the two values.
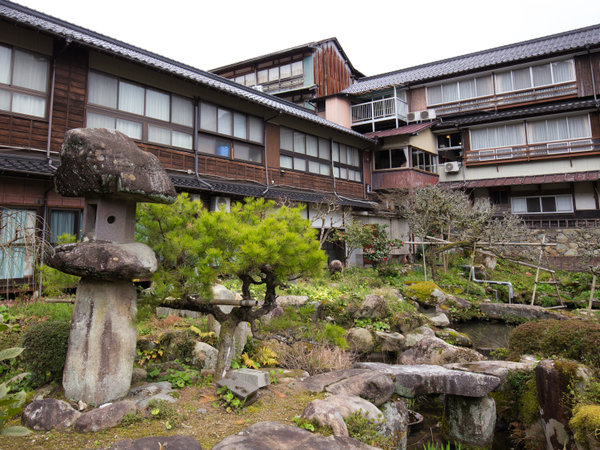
[517, 312]
[411, 339]
[427, 379]
[375, 387]
[96, 162]
[204, 356]
[332, 410]
[470, 421]
[318, 383]
[49, 414]
[104, 260]
[105, 417]
[373, 307]
[433, 350]
[360, 340]
[389, 341]
[549, 393]
[277, 436]
[396, 417]
[292, 300]
[500, 369]
[454, 337]
[144, 394]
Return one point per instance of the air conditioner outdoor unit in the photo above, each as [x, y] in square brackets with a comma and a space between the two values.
[412, 116]
[427, 114]
[452, 167]
[218, 203]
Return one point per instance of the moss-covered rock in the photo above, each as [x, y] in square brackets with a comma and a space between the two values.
[426, 293]
[585, 425]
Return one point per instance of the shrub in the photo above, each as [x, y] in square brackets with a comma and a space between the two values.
[571, 339]
[45, 351]
[314, 359]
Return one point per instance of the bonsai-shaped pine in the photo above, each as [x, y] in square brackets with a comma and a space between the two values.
[257, 242]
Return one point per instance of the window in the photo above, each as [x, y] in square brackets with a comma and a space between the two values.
[346, 162]
[498, 136]
[23, 82]
[230, 123]
[228, 148]
[391, 159]
[451, 140]
[423, 160]
[64, 222]
[460, 90]
[139, 112]
[282, 77]
[542, 204]
[535, 76]
[558, 129]
[17, 235]
[304, 152]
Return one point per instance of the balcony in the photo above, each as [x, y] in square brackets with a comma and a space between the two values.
[392, 108]
[532, 151]
[508, 98]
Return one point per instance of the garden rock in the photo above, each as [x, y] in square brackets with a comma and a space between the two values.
[222, 293]
[332, 411]
[375, 387]
[275, 312]
[427, 379]
[245, 383]
[454, 337]
[396, 418]
[360, 340]
[97, 162]
[549, 394]
[240, 337]
[204, 356]
[471, 421]
[158, 442]
[49, 414]
[373, 307]
[439, 320]
[275, 435]
[411, 339]
[292, 300]
[165, 311]
[500, 369]
[138, 375]
[104, 417]
[504, 311]
[104, 260]
[389, 342]
[433, 350]
[142, 395]
[318, 383]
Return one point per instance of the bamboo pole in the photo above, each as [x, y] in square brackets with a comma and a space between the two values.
[537, 273]
[592, 293]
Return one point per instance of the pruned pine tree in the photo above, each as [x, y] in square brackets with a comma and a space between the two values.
[257, 242]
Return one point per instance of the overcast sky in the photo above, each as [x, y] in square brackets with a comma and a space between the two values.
[378, 36]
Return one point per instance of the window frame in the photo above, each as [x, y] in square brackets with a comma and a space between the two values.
[13, 89]
[525, 198]
[143, 120]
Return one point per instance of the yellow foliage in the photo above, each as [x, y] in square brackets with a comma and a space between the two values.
[266, 356]
[248, 362]
[586, 423]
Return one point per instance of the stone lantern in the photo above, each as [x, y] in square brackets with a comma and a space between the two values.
[112, 174]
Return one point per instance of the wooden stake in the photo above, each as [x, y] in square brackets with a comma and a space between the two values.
[592, 293]
[537, 273]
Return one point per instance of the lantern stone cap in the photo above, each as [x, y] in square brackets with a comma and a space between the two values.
[97, 162]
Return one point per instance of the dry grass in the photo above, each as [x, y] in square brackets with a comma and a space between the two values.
[314, 358]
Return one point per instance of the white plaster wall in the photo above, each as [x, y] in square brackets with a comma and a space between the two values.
[584, 196]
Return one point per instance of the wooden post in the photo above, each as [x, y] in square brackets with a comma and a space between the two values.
[424, 265]
[537, 273]
[592, 293]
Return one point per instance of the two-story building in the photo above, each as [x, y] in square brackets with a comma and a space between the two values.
[218, 140]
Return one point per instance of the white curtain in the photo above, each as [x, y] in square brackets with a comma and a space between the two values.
[182, 140]
[208, 117]
[313, 167]
[62, 222]
[563, 71]
[312, 146]
[239, 125]
[324, 149]
[484, 86]
[521, 78]
[131, 129]
[297, 69]
[206, 144]
[343, 154]
[5, 57]
[159, 135]
[100, 121]
[450, 92]
[224, 121]
[285, 162]
[30, 71]
[542, 75]
[158, 105]
[324, 169]
[285, 71]
[131, 98]
[579, 127]
[537, 132]
[4, 100]
[255, 129]
[286, 139]
[336, 152]
[467, 89]
[300, 164]
[182, 111]
[299, 143]
[434, 95]
[29, 104]
[504, 82]
[102, 90]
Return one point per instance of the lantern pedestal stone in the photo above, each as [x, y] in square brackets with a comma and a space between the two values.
[112, 174]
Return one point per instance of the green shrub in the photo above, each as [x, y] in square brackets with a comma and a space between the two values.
[45, 351]
[571, 339]
[586, 423]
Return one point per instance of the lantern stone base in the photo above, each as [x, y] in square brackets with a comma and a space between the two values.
[102, 342]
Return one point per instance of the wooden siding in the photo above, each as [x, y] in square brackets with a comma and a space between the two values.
[332, 73]
[30, 193]
[403, 178]
[585, 85]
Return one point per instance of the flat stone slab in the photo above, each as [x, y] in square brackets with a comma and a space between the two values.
[375, 387]
[499, 369]
[142, 395]
[504, 311]
[428, 379]
[245, 383]
[318, 383]
[275, 435]
[104, 260]
[48, 414]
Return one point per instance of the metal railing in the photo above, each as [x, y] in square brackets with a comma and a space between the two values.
[507, 98]
[387, 108]
[533, 151]
[542, 224]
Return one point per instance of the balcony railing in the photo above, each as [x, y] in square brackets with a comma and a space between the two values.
[533, 151]
[507, 98]
[378, 110]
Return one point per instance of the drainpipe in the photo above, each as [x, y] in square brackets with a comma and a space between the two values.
[195, 145]
[504, 283]
[44, 223]
[50, 114]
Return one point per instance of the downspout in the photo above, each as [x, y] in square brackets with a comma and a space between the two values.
[44, 223]
[50, 114]
[195, 145]
[593, 76]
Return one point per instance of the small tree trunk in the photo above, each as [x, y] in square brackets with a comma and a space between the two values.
[226, 346]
